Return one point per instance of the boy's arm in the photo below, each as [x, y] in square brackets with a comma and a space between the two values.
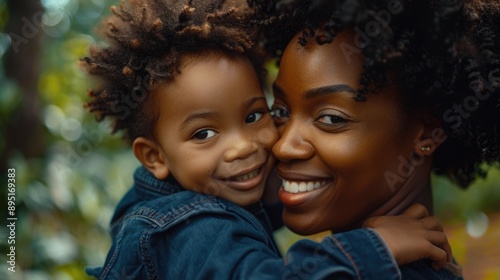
[412, 236]
[228, 249]
[356, 254]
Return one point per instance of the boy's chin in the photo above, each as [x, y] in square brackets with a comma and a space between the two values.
[247, 198]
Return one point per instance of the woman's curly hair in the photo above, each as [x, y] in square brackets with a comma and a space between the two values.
[445, 54]
[147, 41]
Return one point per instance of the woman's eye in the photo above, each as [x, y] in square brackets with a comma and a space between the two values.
[254, 117]
[280, 113]
[204, 134]
[331, 119]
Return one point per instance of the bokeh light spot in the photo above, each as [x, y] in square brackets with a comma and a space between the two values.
[71, 129]
[477, 224]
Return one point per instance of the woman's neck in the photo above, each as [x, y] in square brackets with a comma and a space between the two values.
[416, 189]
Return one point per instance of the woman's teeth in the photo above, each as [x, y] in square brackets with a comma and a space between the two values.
[296, 187]
[247, 176]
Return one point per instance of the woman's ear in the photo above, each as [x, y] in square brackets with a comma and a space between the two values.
[430, 136]
[151, 156]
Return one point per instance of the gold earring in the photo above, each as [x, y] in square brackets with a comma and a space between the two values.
[425, 148]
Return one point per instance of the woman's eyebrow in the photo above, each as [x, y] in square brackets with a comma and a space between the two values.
[278, 90]
[331, 89]
[317, 92]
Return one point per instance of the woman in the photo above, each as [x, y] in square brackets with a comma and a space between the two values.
[372, 97]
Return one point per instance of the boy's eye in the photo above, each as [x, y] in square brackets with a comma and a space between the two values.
[204, 134]
[254, 117]
[331, 119]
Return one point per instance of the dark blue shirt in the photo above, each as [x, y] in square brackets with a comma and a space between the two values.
[162, 231]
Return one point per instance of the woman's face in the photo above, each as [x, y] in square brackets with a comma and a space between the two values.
[337, 156]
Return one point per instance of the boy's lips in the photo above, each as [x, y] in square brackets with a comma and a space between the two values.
[246, 176]
[246, 179]
[243, 174]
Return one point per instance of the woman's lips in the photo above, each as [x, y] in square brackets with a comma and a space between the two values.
[294, 193]
[302, 186]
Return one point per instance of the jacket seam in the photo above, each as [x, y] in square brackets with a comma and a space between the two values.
[147, 260]
[108, 267]
[349, 257]
[387, 251]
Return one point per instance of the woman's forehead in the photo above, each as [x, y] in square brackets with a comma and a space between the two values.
[315, 65]
[342, 51]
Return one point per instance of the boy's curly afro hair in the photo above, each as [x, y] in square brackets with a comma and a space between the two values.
[445, 53]
[147, 40]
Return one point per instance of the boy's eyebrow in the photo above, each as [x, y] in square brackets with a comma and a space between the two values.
[194, 116]
[255, 99]
[211, 115]
[319, 91]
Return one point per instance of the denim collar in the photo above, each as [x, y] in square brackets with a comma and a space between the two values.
[146, 180]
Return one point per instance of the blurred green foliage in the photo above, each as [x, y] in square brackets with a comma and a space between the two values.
[65, 198]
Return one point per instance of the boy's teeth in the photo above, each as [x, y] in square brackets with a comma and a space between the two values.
[247, 176]
[296, 187]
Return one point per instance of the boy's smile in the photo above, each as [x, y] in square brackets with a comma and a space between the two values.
[246, 181]
[214, 132]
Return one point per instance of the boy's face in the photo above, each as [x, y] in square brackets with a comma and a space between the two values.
[215, 130]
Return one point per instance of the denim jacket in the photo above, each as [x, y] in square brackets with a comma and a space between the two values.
[162, 231]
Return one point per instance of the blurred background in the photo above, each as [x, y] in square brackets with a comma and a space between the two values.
[71, 172]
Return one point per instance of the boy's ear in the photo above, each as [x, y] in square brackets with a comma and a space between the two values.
[429, 137]
[150, 155]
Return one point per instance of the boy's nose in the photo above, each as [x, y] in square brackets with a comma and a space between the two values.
[240, 149]
[292, 145]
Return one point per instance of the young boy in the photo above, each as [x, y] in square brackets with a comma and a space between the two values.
[180, 80]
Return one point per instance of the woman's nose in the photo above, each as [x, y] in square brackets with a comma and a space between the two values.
[292, 143]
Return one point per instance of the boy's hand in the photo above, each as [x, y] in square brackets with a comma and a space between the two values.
[412, 236]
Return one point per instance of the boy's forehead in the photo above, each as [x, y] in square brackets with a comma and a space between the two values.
[188, 60]
[240, 4]
[205, 55]
[212, 73]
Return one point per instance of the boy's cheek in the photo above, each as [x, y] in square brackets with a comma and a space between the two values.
[268, 136]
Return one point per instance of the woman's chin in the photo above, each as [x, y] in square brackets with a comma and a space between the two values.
[301, 225]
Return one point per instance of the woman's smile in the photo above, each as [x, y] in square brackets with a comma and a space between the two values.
[298, 188]
[302, 186]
